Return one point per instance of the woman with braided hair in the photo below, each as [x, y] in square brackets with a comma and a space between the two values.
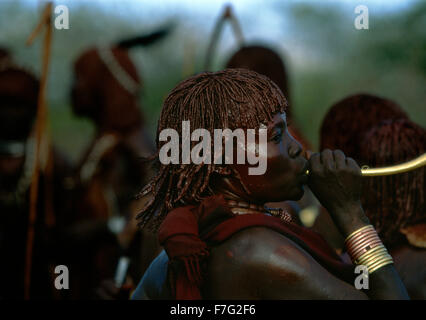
[220, 241]
[343, 128]
[349, 119]
[395, 204]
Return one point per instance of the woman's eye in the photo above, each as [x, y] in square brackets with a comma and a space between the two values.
[277, 137]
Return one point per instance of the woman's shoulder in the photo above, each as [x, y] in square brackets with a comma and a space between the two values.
[251, 259]
[259, 246]
[261, 263]
[258, 263]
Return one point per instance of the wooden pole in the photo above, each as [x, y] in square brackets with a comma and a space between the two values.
[40, 125]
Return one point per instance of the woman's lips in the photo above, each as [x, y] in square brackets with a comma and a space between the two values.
[304, 178]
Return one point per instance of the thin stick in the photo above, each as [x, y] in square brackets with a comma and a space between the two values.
[39, 129]
[227, 15]
[238, 33]
[188, 58]
[44, 20]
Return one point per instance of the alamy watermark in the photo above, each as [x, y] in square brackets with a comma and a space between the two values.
[62, 280]
[202, 152]
[361, 20]
[361, 281]
[62, 20]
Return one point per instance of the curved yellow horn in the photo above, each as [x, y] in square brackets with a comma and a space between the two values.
[399, 168]
[418, 162]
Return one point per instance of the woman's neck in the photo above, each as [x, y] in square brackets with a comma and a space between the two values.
[232, 195]
[232, 190]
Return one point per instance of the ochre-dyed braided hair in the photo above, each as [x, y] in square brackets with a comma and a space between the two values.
[394, 202]
[232, 98]
[348, 120]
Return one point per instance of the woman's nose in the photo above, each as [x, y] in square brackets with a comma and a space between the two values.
[294, 148]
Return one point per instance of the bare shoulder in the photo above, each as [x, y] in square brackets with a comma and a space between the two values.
[259, 246]
[262, 263]
[252, 259]
[264, 251]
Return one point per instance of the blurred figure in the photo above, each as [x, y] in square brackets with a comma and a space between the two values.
[349, 119]
[344, 127]
[106, 90]
[395, 204]
[264, 61]
[18, 106]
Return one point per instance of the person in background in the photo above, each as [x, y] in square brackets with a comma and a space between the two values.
[19, 91]
[106, 90]
[347, 121]
[395, 204]
[343, 128]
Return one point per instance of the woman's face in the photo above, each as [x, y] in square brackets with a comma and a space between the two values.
[286, 166]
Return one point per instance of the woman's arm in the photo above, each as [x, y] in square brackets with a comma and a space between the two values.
[336, 181]
[280, 269]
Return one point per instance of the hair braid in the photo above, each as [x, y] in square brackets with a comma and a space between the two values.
[394, 202]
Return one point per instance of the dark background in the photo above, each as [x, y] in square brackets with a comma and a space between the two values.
[327, 57]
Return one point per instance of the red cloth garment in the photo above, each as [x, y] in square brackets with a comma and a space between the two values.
[188, 248]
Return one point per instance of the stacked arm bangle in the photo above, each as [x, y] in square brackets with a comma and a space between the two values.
[365, 248]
